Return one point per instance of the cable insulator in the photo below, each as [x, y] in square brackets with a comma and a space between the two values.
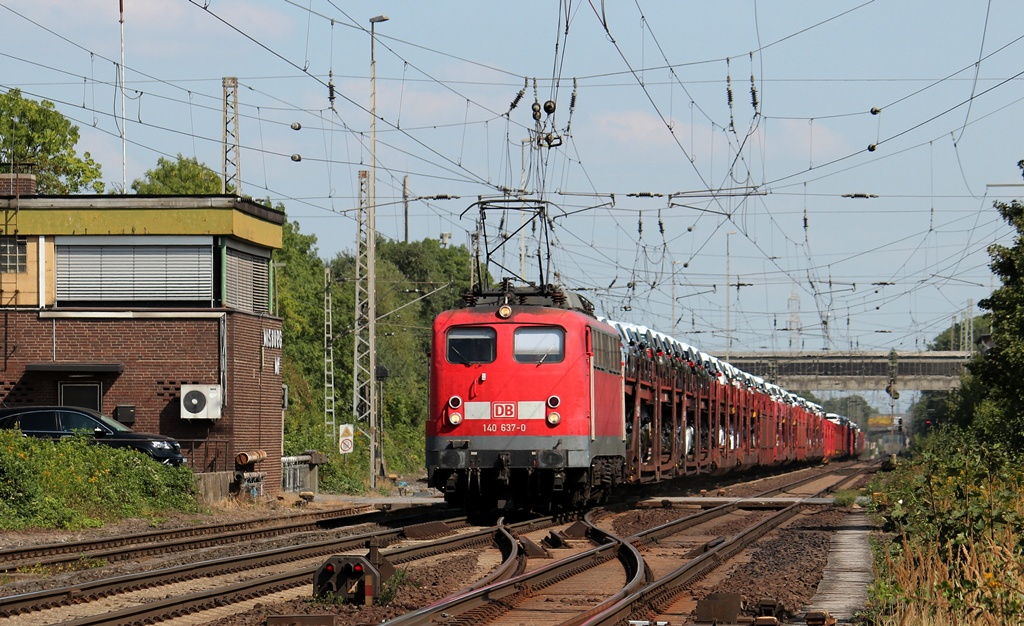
[753, 93]
[572, 107]
[515, 101]
[728, 82]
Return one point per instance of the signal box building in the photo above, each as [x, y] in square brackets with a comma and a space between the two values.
[155, 310]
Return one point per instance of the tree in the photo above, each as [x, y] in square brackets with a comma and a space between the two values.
[179, 176]
[35, 137]
[933, 407]
[991, 399]
[300, 293]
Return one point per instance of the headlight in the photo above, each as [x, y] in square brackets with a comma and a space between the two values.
[454, 402]
[455, 419]
[554, 418]
[163, 445]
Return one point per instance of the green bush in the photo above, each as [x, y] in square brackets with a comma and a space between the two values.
[954, 548]
[74, 484]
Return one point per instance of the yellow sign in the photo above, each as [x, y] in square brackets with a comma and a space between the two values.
[879, 421]
[346, 439]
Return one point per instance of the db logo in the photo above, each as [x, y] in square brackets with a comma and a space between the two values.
[503, 410]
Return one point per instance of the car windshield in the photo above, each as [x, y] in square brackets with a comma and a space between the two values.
[113, 424]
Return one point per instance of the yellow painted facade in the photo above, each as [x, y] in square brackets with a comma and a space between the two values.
[21, 289]
[147, 221]
[41, 219]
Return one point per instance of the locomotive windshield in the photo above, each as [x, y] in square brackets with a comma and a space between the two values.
[471, 345]
[539, 345]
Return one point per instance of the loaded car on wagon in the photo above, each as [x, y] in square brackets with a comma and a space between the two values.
[55, 422]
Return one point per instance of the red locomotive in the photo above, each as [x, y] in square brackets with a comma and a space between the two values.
[535, 402]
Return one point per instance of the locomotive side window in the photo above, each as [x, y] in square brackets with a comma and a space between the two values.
[607, 352]
[539, 345]
[471, 345]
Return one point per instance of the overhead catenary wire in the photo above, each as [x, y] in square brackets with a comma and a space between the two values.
[702, 243]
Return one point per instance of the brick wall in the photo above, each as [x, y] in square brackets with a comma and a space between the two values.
[17, 184]
[158, 356]
[254, 389]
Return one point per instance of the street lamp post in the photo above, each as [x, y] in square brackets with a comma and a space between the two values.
[371, 254]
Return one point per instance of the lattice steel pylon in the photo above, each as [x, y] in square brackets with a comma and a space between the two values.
[231, 167]
[793, 321]
[364, 344]
[967, 331]
[330, 422]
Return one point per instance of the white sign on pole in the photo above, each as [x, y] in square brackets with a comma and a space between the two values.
[346, 438]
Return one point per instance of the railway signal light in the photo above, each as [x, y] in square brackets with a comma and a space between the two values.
[353, 579]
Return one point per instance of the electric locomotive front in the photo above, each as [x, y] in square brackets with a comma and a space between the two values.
[512, 422]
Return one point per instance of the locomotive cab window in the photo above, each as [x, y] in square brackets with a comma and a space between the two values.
[539, 345]
[471, 345]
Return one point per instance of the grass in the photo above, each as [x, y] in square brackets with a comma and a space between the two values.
[846, 497]
[953, 552]
[72, 484]
[83, 563]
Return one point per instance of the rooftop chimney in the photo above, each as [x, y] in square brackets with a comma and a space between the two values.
[17, 184]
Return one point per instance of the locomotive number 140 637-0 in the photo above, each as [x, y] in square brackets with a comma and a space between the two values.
[504, 427]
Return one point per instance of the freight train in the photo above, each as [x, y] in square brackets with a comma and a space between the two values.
[536, 402]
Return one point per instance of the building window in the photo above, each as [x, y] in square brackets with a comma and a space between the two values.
[247, 282]
[13, 254]
[140, 270]
[85, 395]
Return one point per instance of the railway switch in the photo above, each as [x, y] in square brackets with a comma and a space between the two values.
[353, 579]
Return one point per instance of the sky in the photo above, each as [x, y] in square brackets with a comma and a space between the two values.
[745, 175]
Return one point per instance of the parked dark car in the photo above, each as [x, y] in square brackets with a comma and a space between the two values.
[54, 422]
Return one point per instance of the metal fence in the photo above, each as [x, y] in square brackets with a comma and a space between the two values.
[296, 474]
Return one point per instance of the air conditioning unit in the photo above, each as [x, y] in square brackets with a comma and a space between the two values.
[201, 402]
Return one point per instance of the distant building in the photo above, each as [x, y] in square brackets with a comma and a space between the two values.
[156, 310]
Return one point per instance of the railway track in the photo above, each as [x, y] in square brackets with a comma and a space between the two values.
[262, 570]
[617, 566]
[176, 593]
[133, 546]
[313, 551]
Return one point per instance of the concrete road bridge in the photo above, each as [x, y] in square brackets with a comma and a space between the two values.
[856, 371]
